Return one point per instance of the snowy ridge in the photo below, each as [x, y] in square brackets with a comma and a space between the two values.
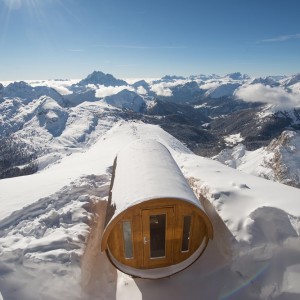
[43, 229]
[95, 160]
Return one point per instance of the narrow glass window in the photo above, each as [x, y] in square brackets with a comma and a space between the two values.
[185, 246]
[157, 236]
[128, 251]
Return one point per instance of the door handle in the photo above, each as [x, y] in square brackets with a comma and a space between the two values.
[145, 241]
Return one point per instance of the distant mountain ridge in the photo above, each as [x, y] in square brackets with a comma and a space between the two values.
[101, 78]
[203, 111]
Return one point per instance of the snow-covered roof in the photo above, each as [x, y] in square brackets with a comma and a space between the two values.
[146, 170]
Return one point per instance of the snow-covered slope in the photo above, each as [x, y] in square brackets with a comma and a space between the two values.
[52, 129]
[221, 90]
[27, 93]
[43, 228]
[280, 161]
[126, 100]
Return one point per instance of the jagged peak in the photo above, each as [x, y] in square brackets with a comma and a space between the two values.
[18, 84]
[98, 77]
[293, 79]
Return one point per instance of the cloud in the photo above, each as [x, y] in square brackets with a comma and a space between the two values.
[272, 95]
[141, 90]
[161, 89]
[282, 38]
[210, 85]
[63, 90]
[104, 91]
[61, 86]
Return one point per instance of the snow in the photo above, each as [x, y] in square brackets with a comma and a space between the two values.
[223, 90]
[251, 162]
[287, 157]
[94, 160]
[235, 194]
[291, 279]
[41, 245]
[233, 139]
[45, 217]
[44, 220]
[104, 91]
[295, 88]
[126, 100]
[138, 165]
[280, 161]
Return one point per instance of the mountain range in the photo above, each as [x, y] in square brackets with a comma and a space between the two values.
[236, 140]
[203, 111]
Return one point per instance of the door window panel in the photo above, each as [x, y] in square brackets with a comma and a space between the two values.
[157, 236]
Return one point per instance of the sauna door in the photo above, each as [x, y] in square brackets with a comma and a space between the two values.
[157, 236]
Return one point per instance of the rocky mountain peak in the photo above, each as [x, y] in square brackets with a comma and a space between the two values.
[285, 162]
[98, 77]
[293, 80]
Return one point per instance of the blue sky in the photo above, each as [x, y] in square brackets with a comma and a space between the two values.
[43, 39]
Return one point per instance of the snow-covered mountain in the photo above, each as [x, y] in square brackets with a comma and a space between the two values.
[279, 161]
[77, 128]
[44, 229]
[101, 78]
[211, 101]
[127, 100]
[291, 80]
[270, 81]
[27, 93]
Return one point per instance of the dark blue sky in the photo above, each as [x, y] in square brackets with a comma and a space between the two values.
[42, 39]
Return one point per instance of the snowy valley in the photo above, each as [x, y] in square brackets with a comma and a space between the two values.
[236, 140]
